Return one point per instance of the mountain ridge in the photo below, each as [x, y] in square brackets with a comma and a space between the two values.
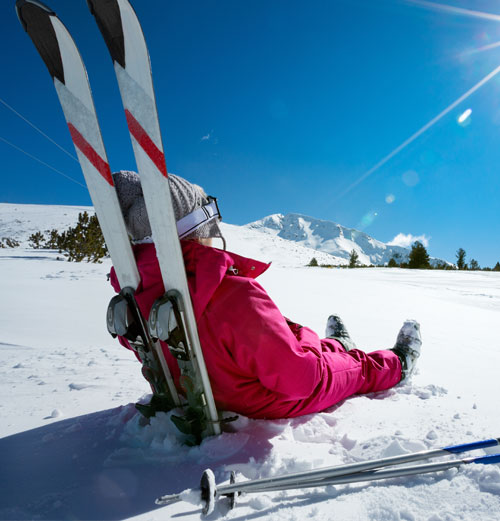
[291, 239]
[330, 237]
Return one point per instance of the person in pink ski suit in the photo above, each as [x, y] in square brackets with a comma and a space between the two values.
[260, 364]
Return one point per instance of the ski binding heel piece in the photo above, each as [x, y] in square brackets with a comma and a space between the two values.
[119, 318]
[167, 323]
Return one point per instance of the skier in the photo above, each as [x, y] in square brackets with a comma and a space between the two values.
[260, 364]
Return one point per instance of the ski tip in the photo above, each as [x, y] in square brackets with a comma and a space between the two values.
[109, 20]
[90, 5]
[36, 19]
[22, 5]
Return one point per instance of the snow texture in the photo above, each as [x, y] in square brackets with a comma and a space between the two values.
[72, 445]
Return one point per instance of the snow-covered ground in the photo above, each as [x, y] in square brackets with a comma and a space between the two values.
[73, 447]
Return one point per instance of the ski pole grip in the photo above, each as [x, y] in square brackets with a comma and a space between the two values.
[455, 449]
[487, 460]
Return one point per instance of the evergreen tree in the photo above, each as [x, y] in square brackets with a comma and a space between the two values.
[53, 242]
[474, 265]
[313, 262]
[85, 241]
[35, 240]
[497, 267]
[418, 258]
[461, 259]
[392, 263]
[353, 259]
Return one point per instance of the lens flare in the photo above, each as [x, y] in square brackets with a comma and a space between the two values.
[455, 10]
[390, 198]
[464, 117]
[419, 132]
[483, 48]
[367, 220]
[411, 178]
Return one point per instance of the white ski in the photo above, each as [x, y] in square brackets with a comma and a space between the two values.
[123, 35]
[61, 56]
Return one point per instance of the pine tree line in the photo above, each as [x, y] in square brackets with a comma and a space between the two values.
[417, 259]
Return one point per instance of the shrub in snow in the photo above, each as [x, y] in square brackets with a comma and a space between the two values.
[7, 242]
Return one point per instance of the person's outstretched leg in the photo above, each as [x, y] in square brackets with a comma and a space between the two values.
[358, 372]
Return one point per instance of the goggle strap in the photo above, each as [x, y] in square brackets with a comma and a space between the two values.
[192, 221]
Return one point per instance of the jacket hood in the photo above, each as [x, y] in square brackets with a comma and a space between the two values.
[206, 267]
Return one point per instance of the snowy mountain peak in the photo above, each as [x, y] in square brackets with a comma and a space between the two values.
[328, 237]
[273, 222]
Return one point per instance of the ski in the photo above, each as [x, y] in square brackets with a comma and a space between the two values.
[172, 318]
[62, 58]
[371, 470]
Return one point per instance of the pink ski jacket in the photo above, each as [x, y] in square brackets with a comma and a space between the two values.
[260, 364]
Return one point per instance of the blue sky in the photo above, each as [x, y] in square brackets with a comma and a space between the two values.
[291, 106]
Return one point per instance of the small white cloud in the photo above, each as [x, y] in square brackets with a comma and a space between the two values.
[209, 136]
[406, 240]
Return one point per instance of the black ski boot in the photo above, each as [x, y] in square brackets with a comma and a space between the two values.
[335, 329]
[408, 345]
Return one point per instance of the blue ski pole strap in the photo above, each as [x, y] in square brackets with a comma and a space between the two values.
[192, 221]
[455, 449]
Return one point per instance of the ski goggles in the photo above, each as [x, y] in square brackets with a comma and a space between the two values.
[192, 221]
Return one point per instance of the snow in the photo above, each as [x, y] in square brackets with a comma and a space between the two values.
[73, 446]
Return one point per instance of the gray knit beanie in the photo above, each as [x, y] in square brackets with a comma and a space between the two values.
[186, 197]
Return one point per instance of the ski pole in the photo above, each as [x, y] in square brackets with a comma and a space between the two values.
[323, 475]
[339, 470]
[209, 491]
[374, 475]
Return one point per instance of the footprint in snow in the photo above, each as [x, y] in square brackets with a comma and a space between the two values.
[78, 387]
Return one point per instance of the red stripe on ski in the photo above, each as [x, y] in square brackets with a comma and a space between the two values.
[141, 136]
[88, 151]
